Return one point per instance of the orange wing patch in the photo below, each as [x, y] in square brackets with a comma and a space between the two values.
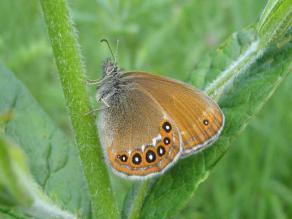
[210, 127]
[150, 159]
[196, 115]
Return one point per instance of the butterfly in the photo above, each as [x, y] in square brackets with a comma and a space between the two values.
[149, 122]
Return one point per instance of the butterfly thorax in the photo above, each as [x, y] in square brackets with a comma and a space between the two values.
[112, 82]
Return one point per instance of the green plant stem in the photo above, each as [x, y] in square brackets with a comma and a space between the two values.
[65, 47]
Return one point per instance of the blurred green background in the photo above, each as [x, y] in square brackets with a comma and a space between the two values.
[166, 37]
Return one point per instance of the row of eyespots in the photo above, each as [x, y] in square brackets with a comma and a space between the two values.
[151, 155]
[166, 126]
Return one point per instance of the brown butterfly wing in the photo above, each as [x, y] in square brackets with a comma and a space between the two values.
[134, 136]
[197, 116]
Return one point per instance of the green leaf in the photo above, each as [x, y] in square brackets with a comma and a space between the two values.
[275, 19]
[135, 196]
[247, 70]
[17, 188]
[53, 161]
[14, 187]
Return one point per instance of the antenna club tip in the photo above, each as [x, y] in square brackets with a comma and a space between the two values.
[104, 40]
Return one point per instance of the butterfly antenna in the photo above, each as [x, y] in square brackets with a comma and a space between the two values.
[117, 50]
[110, 49]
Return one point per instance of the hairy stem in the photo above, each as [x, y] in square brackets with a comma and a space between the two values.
[67, 55]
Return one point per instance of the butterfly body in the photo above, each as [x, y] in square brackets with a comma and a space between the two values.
[152, 121]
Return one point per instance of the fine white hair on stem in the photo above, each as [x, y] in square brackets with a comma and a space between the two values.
[42, 208]
[234, 70]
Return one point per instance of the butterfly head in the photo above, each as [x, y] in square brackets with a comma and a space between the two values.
[110, 68]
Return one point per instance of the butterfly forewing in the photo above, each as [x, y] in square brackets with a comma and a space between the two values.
[198, 118]
[139, 139]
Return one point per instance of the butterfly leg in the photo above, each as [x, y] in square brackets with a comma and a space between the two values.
[99, 109]
[91, 82]
[105, 103]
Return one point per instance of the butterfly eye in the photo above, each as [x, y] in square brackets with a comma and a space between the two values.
[160, 151]
[206, 122]
[166, 141]
[166, 126]
[137, 159]
[150, 156]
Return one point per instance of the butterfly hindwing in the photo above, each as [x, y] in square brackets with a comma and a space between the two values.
[198, 118]
[138, 137]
